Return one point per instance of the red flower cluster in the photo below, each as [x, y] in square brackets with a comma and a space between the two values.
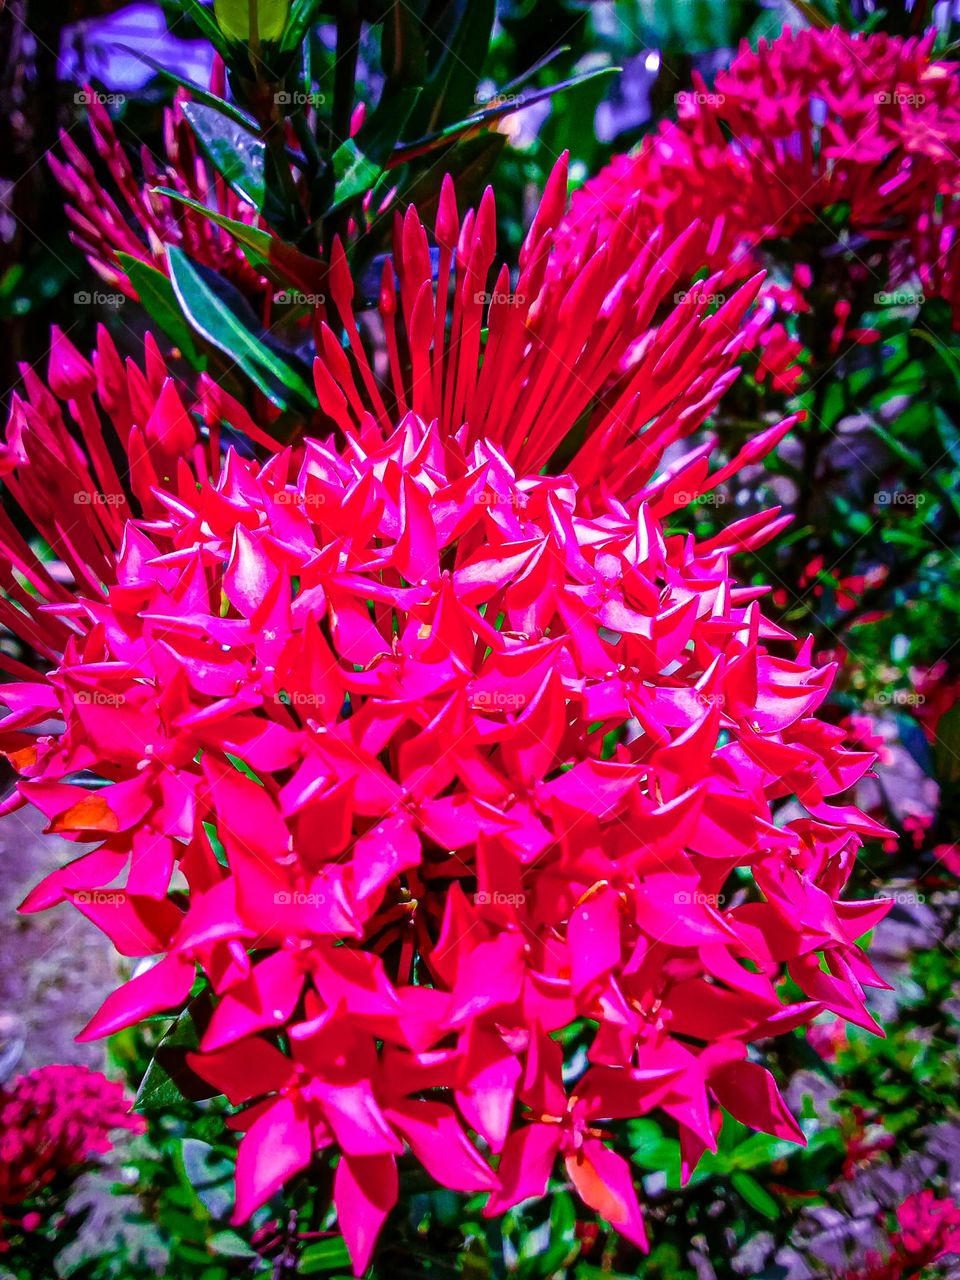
[429, 741]
[814, 120]
[51, 1120]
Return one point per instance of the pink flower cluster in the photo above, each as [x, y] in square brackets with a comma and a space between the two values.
[51, 1120]
[929, 1231]
[101, 217]
[790, 131]
[431, 739]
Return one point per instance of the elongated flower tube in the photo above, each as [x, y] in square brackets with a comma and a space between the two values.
[417, 751]
[132, 217]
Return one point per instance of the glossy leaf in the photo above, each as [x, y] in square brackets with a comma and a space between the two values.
[214, 320]
[160, 302]
[236, 153]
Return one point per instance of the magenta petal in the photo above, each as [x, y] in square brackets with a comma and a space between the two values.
[749, 1092]
[439, 1142]
[525, 1166]
[162, 987]
[276, 1146]
[603, 1181]
[364, 1191]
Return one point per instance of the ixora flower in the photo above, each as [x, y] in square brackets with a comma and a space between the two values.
[428, 740]
[929, 1231]
[137, 219]
[790, 133]
[52, 1120]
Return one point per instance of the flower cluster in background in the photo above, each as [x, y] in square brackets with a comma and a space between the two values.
[53, 1121]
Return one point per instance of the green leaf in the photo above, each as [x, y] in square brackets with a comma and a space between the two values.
[354, 174]
[386, 123]
[214, 320]
[235, 152]
[451, 87]
[265, 252]
[755, 1195]
[208, 1174]
[206, 24]
[168, 1080]
[230, 1245]
[324, 1255]
[196, 91]
[235, 18]
[160, 302]
[482, 120]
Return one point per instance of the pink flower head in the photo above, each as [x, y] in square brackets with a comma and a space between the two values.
[452, 738]
[810, 121]
[929, 1231]
[51, 1120]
